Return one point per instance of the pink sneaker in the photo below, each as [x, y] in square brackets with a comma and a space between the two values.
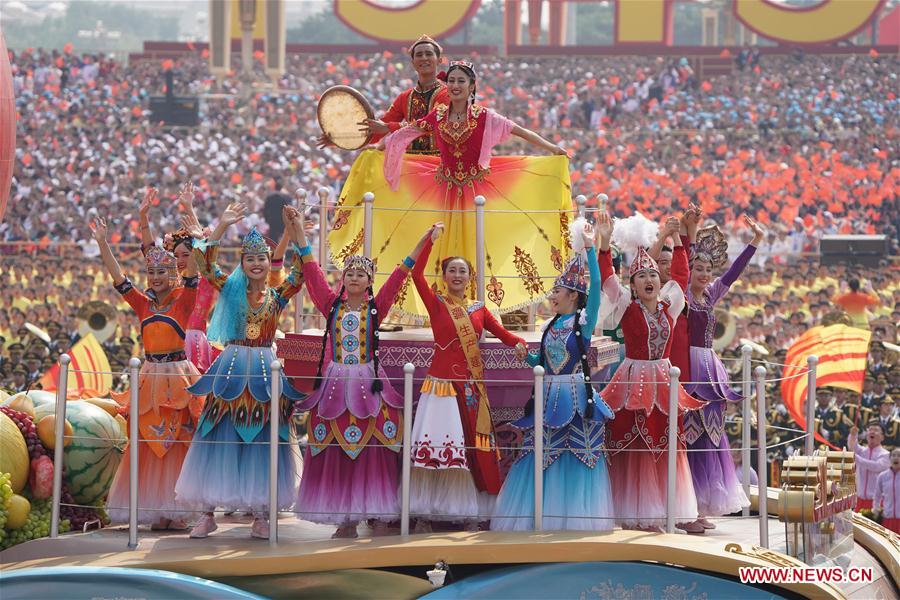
[205, 526]
[692, 528]
[260, 528]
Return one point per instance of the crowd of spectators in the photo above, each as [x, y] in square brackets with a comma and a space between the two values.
[807, 145]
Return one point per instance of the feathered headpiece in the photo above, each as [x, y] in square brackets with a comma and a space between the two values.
[176, 238]
[425, 39]
[255, 243]
[574, 275]
[642, 262]
[636, 231]
[367, 265]
[157, 258]
[711, 246]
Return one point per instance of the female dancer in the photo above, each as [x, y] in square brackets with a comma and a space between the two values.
[231, 470]
[456, 469]
[168, 410]
[576, 482]
[353, 406]
[180, 244]
[715, 480]
[639, 391]
[528, 189]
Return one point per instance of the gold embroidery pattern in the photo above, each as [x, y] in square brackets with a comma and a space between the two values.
[495, 291]
[350, 249]
[404, 289]
[556, 258]
[528, 272]
[343, 216]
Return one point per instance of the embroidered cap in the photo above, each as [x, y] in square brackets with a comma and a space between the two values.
[255, 243]
[425, 39]
[363, 263]
[157, 258]
[642, 262]
[573, 276]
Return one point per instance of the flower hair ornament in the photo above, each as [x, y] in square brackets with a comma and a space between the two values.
[363, 263]
[711, 246]
[175, 238]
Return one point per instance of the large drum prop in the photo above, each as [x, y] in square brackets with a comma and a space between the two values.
[341, 113]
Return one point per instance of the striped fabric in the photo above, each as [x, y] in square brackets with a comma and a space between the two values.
[842, 354]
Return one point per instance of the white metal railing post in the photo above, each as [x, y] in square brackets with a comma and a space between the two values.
[811, 361]
[479, 247]
[134, 444]
[368, 219]
[323, 193]
[602, 199]
[408, 370]
[538, 448]
[674, 374]
[746, 411]
[274, 426]
[580, 201]
[762, 460]
[61, 398]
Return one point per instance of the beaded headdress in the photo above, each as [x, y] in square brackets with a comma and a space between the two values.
[711, 246]
[464, 65]
[642, 262]
[424, 39]
[573, 276]
[367, 265]
[157, 258]
[255, 243]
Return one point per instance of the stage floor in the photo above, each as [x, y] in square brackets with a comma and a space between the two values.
[306, 547]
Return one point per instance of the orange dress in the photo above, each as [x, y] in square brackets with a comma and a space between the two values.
[167, 412]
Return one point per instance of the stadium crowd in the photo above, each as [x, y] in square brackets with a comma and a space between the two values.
[807, 145]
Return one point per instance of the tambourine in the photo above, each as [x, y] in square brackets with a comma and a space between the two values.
[340, 111]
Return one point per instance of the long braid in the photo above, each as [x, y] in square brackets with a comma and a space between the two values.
[529, 406]
[583, 357]
[328, 323]
[377, 385]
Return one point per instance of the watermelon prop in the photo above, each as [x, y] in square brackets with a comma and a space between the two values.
[94, 454]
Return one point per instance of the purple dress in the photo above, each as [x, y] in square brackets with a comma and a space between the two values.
[717, 487]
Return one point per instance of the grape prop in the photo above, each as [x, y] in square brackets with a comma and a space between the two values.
[27, 516]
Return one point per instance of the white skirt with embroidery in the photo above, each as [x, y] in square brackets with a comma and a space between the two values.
[441, 485]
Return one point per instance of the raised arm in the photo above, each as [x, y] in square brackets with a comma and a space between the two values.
[617, 296]
[418, 273]
[387, 294]
[669, 229]
[294, 228]
[99, 232]
[206, 252]
[144, 217]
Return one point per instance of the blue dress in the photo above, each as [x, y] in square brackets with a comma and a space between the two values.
[577, 493]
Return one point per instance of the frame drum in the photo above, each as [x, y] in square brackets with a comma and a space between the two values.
[340, 110]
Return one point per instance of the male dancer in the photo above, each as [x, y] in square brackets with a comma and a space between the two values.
[414, 103]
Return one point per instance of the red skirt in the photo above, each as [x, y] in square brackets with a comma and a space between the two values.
[892, 524]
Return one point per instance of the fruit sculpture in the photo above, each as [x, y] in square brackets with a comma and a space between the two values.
[92, 453]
